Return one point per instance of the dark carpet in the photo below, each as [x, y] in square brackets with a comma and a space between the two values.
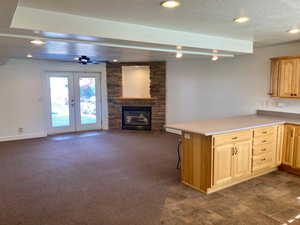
[101, 178]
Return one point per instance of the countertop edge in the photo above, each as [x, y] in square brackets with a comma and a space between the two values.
[230, 130]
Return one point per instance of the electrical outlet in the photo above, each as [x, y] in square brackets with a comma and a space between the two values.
[21, 129]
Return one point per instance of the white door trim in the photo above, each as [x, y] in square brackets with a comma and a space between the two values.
[75, 120]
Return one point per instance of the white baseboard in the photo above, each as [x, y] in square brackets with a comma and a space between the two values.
[173, 131]
[23, 136]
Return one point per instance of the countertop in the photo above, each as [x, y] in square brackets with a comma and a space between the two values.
[231, 124]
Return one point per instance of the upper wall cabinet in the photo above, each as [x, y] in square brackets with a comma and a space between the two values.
[285, 77]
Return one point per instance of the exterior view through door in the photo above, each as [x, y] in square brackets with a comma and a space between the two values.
[74, 102]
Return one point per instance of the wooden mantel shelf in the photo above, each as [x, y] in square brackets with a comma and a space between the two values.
[135, 99]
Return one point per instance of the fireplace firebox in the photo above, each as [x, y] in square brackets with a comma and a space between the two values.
[136, 118]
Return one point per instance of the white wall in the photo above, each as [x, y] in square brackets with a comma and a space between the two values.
[22, 96]
[202, 89]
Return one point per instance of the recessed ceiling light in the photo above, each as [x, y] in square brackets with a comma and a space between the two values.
[76, 58]
[29, 56]
[179, 47]
[179, 55]
[294, 31]
[170, 4]
[37, 32]
[214, 58]
[115, 60]
[215, 51]
[241, 19]
[37, 42]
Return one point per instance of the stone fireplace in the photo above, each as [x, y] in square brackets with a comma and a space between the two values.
[156, 102]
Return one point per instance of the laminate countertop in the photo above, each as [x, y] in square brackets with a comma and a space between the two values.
[231, 124]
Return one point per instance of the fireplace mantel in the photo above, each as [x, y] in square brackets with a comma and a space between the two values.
[135, 99]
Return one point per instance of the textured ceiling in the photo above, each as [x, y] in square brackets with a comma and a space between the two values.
[270, 19]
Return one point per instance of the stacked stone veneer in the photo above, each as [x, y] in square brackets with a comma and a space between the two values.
[157, 92]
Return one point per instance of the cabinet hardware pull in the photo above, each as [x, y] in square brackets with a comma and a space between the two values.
[264, 159]
[234, 138]
[264, 149]
[265, 132]
[264, 141]
[233, 151]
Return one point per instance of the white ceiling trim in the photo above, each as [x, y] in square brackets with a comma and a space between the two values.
[105, 44]
[36, 19]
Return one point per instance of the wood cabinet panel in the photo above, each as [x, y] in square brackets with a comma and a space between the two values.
[196, 161]
[242, 160]
[279, 147]
[263, 161]
[229, 138]
[286, 78]
[296, 78]
[262, 149]
[296, 153]
[288, 145]
[223, 164]
[274, 78]
[263, 131]
[262, 140]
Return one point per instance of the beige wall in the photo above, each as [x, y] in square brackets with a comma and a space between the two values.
[202, 89]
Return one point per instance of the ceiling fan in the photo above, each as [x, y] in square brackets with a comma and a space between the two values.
[84, 60]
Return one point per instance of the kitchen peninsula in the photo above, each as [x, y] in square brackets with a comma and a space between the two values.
[219, 153]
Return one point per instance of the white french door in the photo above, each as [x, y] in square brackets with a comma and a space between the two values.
[74, 102]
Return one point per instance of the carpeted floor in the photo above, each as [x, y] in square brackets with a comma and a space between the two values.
[118, 178]
[89, 179]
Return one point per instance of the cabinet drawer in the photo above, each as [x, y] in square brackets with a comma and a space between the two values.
[264, 131]
[232, 137]
[263, 149]
[263, 161]
[268, 139]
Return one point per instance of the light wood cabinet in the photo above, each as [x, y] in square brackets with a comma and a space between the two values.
[242, 159]
[289, 142]
[223, 164]
[285, 77]
[232, 161]
[291, 155]
[296, 155]
[211, 163]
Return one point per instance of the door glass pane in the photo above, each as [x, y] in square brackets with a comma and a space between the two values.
[59, 91]
[88, 100]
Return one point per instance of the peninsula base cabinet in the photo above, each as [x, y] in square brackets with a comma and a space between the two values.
[211, 163]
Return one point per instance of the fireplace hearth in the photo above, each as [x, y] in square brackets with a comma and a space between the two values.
[136, 118]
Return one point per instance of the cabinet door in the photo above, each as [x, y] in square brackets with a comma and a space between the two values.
[274, 78]
[296, 153]
[223, 164]
[287, 73]
[288, 148]
[243, 159]
[296, 81]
